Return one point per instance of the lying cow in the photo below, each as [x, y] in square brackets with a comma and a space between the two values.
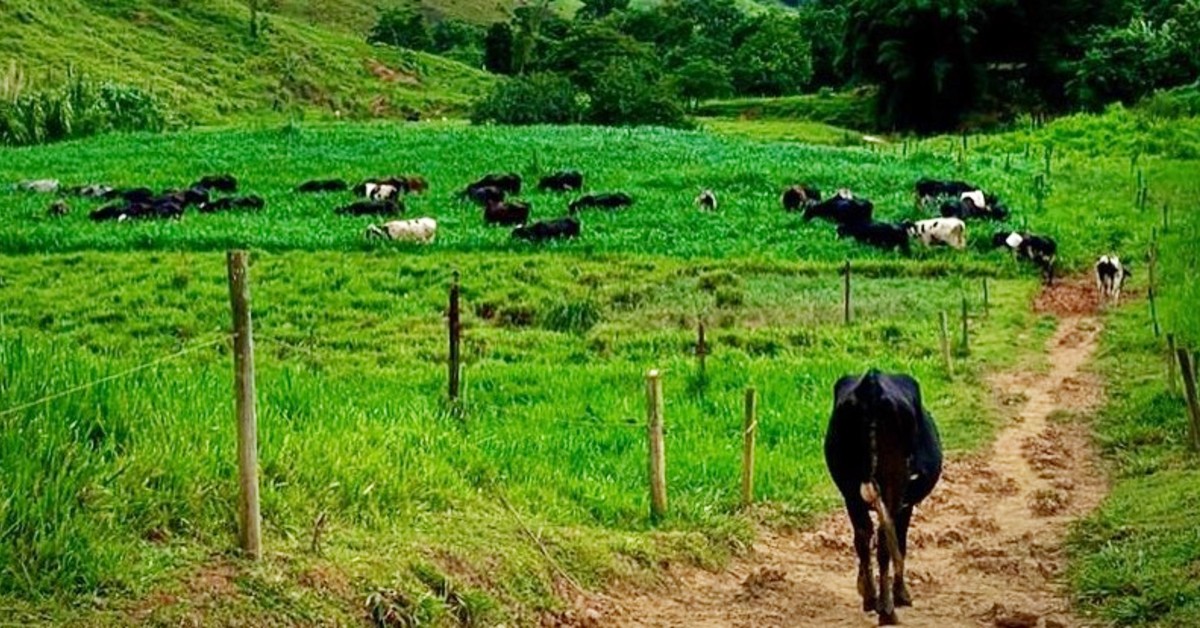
[883, 451]
[974, 204]
[42, 186]
[707, 201]
[252, 202]
[221, 183]
[564, 181]
[883, 235]
[843, 209]
[94, 190]
[485, 195]
[939, 232]
[420, 230]
[322, 185]
[378, 190]
[548, 229]
[509, 183]
[161, 207]
[614, 200]
[372, 208]
[506, 213]
[1040, 250]
[1110, 277]
[929, 189]
[798, 196]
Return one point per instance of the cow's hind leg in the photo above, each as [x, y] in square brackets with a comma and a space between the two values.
[860, 518]
[885, 606]
[900, 588]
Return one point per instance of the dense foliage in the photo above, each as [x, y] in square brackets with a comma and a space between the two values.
[78, 108]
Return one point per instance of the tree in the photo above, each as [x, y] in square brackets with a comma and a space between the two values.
[626, 94]
[599, 9]
[498, 48]
[533, 99]
[774, 60]
[1127, 63]
[590, 48]
[701, 79]
[405, 27]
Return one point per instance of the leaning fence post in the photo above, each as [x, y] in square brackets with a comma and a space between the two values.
[945, 333]
[1189, 386]
[846, 295]
[249, 517]
[658, 453]
[455, 332]
[749, 428]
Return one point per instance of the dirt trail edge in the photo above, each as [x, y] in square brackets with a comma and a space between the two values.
[985, 548]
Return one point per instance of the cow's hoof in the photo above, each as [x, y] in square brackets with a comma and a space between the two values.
[888, 619]
[869, 604]
[902, 596]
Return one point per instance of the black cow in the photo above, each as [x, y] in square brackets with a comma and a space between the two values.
[614, 200]
[799, 196]
[485, 195]
[192, 196]
[134, 195]
[252, 202]
[884, 235]
[219, 182]
[161, 207]
[372, 208]
[506, 213]
[323, 185]
[842, 210]
[509, 183]
[927, 189]
[563, 181]
[1040, 250]
[883, 452]
[548, 229]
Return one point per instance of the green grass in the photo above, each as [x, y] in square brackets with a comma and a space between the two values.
[199, 57]
[799, 131]
[851, 110]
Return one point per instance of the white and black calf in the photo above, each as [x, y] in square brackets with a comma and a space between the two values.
[950, 232]
[884, 454]
[1040, 250]
[1110, 277]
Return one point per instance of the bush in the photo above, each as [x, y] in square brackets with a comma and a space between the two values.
[405, 27]
[534, 99]
[630, 95]
[78, 109]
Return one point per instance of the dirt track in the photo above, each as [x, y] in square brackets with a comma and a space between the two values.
[985, 548]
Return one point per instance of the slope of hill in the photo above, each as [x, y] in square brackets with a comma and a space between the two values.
[199, 56]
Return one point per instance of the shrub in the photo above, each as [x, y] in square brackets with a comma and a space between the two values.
[405, 27]
[535, 99]
[630, 95]
[79, 108]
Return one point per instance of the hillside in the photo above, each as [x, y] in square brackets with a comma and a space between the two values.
[200, 58]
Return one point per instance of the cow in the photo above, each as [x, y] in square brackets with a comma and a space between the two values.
[379, 189]
[372, 208]
[322, 185]
[884, 453]
[612, 200]
[42, 186]
[197, 196]
[220, 182]
[506, 213]
[58, 208]
[94, 190]
[798, 196]
[929, 189]
[567, 227]
[563, 181]
[252, 202]
[486, 195]
[420, 230]
[136, 195]
[1040, 250]
[884, 235]
[967, 207]
[939, 231]
[1110, 277]
[160, 207]
[707, 201]
[509, 183]
[842, 209]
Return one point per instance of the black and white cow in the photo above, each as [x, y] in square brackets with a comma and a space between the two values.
[883, 235]
[798, 196]
[229, 203]
[884, 454]
[563, 181]
[842, 208]
[613, 200]
[707, 201]
[1110, 277]
[567, 227]
[1040, 250]
[939, 232]
[930, 189]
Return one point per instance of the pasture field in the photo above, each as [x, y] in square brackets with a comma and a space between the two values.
[120, 498]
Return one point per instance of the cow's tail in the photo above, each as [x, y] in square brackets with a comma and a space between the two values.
[869, 490]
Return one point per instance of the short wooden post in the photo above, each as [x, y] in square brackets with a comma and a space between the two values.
[1189, 386]
[250, 519]
[455, 372]
[749, 429]
[1153, 312]
[966, 335]
[658, 452]
[945, 333]
[1171, 363]
[701, 349]
[1166, 226]
[987, 305]
[846, 294]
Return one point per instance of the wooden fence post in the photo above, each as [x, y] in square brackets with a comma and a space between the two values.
[966, 335]
[1189, 386]
[846, 294]
[658, 452]
[1171, 363]
[1153, 312]
[701, 350]
[455, 332]
[749, 429]
[1166, 226]
[945, 333]
[987, 305]
[250, 518]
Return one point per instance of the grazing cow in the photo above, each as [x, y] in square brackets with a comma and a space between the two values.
[420, 230]
[883, 451]
[252, 202]
[509, 183]
[485, 195]
[939, 231]
[966, 207]
[322, 185]
[1040, 250]
[929, 189]
[220, 182]
[707, 201]
[563, 181]
[842, 209]
[94, 190]
[506, 213]
[884, 235]
[548, 229]
[43, 186]
[58, 208]
[1110, 277]
[614, 200]
[798, 196]
[197, 196]
[372, 208]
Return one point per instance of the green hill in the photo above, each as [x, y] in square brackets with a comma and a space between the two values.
[200, 58]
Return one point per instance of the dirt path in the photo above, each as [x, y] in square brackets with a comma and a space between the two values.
[985, 547]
